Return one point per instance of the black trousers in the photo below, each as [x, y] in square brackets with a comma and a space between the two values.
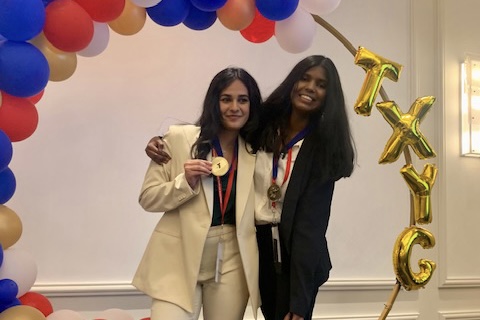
[274, 282]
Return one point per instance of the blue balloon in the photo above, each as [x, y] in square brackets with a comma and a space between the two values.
[21, 20]
[6, 150]
[8, 294]
[199, 20]
[208, 5]
[46, 2]
[14, 302]
[8, 184]
[169, 13]
[24, 70]
[8, 290]
[276, 10]
[1, 254]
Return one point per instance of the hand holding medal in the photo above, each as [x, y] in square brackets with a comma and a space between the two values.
[220, 166]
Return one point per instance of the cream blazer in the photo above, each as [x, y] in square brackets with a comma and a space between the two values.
[170, 265]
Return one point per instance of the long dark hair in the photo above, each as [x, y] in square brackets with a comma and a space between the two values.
[334, 143]
[210, 119]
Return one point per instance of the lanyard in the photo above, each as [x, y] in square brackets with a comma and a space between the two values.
[217, 151]
[288, 148]
[287, 169]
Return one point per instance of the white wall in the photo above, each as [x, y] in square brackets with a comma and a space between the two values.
[79, 175]
[459, 280]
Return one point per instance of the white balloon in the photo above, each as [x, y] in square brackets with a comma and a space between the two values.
[319, 7]
[295, 34]
[65, 314]
[146, 3]
[19, 266]
[115, 314]
[99, 42]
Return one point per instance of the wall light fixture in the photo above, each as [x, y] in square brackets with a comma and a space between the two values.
[470, 125]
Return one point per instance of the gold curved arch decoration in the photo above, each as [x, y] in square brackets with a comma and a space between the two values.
[406, 134]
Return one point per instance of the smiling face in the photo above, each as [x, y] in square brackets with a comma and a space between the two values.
[310, 91]
[234, 106]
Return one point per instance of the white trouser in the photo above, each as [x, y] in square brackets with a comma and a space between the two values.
[223, 300]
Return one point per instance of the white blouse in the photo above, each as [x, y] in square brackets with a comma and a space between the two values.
[265, 210]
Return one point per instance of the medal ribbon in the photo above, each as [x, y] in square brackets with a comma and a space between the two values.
[288, 148]
[287, 169]
[217, 151]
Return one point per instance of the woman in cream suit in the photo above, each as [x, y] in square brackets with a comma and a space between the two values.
[203, 251]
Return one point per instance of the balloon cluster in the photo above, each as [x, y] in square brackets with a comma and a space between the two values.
[290, 22]
[406, 133]
[41, 39]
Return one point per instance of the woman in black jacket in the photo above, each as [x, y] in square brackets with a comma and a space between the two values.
[303, 147]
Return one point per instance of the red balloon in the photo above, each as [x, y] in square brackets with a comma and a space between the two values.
[104, 10]
[260, 30]
[18, 117]
[68, 26]
[37, 301]
[35, 98]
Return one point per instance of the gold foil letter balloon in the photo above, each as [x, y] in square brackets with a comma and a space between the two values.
[406, 129]
[377, 68]
[401, 258]
[421, 188]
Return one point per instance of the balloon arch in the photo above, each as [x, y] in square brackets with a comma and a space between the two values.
[40, 41]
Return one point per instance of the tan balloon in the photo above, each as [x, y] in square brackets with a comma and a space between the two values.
[62, 64]
[130, 21]
[10, 227]
[22, 313]
[237, 14]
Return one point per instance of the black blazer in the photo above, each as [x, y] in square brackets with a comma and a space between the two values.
[305, 216]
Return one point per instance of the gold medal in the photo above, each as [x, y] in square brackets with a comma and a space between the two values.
[219, 166]
[274, 193]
